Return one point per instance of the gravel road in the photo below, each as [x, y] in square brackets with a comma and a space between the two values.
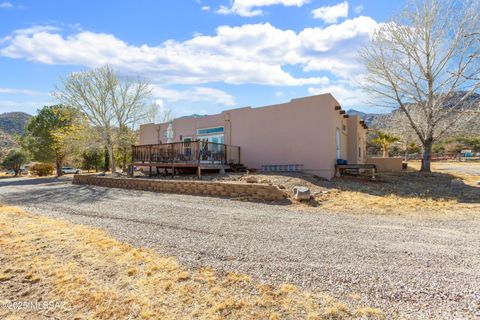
[409, 267]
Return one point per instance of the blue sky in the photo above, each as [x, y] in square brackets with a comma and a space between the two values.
[200, 56]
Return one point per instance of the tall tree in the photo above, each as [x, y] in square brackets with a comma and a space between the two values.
[158, 113]
[52, 134]
[395, 124]
[385, 140]
[108, 100]
[126, 138]
[426, 63]
[14, 161]
[92, 158]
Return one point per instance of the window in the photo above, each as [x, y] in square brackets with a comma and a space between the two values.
[210, 130]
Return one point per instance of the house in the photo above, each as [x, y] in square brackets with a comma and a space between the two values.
[307, 134]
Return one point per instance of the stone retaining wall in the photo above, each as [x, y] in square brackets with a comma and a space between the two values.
[218, 189]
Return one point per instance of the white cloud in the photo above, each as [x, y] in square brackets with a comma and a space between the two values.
[36, 29]
[194, 94]
[335, 47]
[250, 8]
[358, 9]
[6, 5]
[26, 92]
[347, 94]
[245, 54]
[331, 14]
[30, 107]
[159, 103]
[252, 53]
[205, 8]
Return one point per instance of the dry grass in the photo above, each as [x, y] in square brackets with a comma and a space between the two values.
[44, 259]
[405, 193]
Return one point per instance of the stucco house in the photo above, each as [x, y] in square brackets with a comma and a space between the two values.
[307, 134]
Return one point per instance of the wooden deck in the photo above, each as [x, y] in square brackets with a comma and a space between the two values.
[201, 155]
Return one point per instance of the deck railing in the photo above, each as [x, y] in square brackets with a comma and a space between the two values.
[194, 152]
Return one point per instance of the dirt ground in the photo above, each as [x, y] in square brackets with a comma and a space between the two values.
[409, 268]
[408, 192]
[50, 268]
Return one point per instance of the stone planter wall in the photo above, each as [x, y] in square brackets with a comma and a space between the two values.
[252, 191]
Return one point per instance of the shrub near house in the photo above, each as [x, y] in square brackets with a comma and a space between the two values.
[42, 169]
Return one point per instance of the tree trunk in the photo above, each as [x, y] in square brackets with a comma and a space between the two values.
[426, 156]
[59, 166]
[106, 164]
[385, 151]
[406, 152]
[125, 155]
[112, 158]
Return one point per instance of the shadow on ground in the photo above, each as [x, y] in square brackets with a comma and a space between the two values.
[434, 186]
[54, 191]
[408, 184]
[81, 193]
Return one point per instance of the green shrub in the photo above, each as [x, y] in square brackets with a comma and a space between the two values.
[42, 169]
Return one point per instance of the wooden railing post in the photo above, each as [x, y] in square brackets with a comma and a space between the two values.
[197, 151]
[225, 160]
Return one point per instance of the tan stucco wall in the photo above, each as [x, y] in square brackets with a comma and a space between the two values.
[149, 134]
[301, 131]
[356, 140]
[386, 164]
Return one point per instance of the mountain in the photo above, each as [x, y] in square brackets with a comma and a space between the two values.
[11, 123]
[470, 103]
[6, 144]
[369, 118]
[14, 122]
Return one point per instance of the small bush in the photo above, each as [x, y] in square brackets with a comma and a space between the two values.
[42, 169]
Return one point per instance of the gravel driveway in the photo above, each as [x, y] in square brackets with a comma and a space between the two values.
[408, 267]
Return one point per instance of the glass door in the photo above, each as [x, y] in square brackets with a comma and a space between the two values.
[212, 152]
[187, 148]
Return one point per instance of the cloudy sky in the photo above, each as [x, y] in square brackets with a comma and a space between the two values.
[201, 56]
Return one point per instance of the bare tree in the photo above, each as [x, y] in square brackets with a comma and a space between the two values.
[109, 101]
[396, 123]
[425, 63]
[158, 113]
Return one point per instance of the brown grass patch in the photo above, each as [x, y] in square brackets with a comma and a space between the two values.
[404, 193]
[44, 259]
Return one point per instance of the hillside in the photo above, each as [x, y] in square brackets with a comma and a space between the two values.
[471, 103]
[367, 117]
[14, 122]
[6, 144]
[11, 124]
